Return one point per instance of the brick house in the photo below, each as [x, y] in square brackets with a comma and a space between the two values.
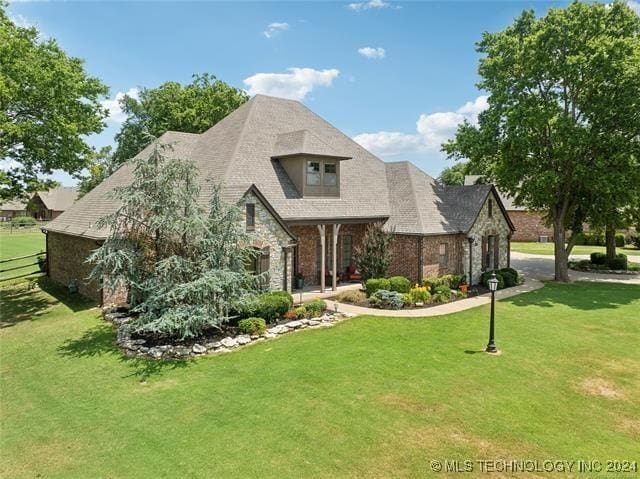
[48, 205]
[529, 225]
[308, 192]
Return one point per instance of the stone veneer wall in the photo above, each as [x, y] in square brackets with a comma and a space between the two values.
[267, 229]
[529, 226]
[484, 226]
[308, 236]
[66, 255]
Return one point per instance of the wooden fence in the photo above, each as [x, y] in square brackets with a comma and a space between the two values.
[40, 260]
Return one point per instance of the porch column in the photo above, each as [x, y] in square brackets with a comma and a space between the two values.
[321, 230]
[334, 255]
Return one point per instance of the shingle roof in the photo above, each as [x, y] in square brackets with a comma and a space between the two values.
[58, 199]
[302, 142]
[237, 151]
[507, 201]
[421, 205]
[14, 205]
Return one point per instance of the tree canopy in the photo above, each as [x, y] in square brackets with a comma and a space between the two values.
[48, 103]
[563, 123]
[454, 175]
[192, 108]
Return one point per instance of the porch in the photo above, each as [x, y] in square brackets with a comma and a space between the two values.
[312, 292]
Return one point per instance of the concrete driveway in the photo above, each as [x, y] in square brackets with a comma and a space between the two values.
[542, 267]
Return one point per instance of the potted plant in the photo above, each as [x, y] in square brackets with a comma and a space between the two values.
[298, 281]
[463, 286]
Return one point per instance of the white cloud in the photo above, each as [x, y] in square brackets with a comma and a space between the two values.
[371, 52]
[431, 131]
[294, 85]
[116, 114]
[275, 28]
[635, 6]
[359, 6]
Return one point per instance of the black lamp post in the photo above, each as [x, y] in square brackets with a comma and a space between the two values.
[493, 286]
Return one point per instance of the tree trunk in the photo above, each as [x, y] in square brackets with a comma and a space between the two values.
[560, 253]
[610, 242]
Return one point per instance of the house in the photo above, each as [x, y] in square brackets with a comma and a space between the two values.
[308, 192]
[12, 209]
[530, 225]
[48, 205]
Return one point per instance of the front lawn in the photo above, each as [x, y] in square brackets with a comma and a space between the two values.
[547, 249]
[370, 397]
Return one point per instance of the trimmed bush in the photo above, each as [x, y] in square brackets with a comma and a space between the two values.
[635, 240]
[420, 294]
[486, 276]
[374, 284]
[442, 293]
[252, 326]
[598, 258]
[620, 241]
[301, 312]
[434, 281]
[407, 299]
[273, 304]
[399, 284]
[385, 299]
[24, 220]
[510, 277]
[619, 262]
[315, 307]
[352, 296]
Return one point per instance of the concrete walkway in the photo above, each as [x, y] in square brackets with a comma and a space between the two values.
[448, 308]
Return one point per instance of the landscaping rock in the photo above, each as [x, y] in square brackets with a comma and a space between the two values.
[243, 339]
[199, 349]
[281, 329]
[313, 322]
[229, 342]
[214, 345]
[294, 324]
[268, 335]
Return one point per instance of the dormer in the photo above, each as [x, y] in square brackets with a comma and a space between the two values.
[312, 164]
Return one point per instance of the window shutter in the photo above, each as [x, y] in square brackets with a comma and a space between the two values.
[496, 250]
[484, 253]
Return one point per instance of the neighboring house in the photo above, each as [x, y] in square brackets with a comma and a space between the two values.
[48, 205]
[11, 209]
[308, 192]
[530, 225]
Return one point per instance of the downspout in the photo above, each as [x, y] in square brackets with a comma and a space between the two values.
[470, 260]
[509, 251]
[420, 259]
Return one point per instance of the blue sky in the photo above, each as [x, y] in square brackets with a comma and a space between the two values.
[397, 77]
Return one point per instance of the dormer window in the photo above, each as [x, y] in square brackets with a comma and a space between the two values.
[330, 174]
[313, 173]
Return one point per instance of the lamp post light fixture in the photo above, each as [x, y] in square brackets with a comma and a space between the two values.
[493, 286]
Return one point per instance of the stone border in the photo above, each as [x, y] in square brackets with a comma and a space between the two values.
[137, 347]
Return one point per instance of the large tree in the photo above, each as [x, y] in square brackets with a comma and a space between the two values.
[454, 175]
[564, 113]
[48, 104]
[192, 108]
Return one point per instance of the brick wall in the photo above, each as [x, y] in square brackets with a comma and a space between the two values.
[431, 255]
[66, 255]
[405, 257]
[529, 226]
[307, 238]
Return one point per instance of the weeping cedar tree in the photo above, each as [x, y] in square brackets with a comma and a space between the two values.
[373, 256]
[562, 126]
[184, 268]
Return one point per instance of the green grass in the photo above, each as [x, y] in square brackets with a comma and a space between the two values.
[13, 245]
[547, 249]
[370, 397]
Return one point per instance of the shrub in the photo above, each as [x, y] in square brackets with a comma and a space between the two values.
[455, 280]
[290, 315]
[420, 294]
[635, 240]
[301, 312]
[620, 241]
[598, 258]
[510, 277]
[315, 307]
[434, 281]
[407, 299]
[374, 284]
[386, 299]
[619, 262]
[442, 293]
[399, 284]
[23, 220]
[273, 304]
[252, 326]
[373, 256]
[486, 276]
[352, 296]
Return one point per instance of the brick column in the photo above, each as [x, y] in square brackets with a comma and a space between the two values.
[321, 230]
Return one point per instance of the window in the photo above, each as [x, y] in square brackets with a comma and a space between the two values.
[313, 173]
[442, 252]
[259, 264]
[347, 251]
[251, 216]
[330, 174]
[490, 208]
